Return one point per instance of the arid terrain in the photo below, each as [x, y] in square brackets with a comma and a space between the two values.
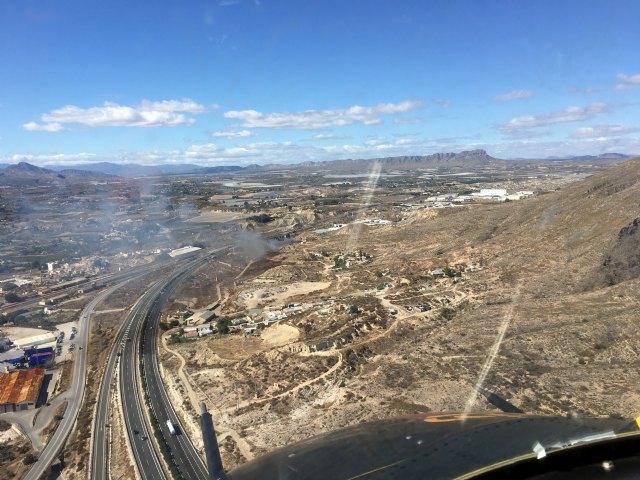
[387, 334]
[375, 296]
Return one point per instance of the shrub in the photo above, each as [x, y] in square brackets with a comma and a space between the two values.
[261, 218]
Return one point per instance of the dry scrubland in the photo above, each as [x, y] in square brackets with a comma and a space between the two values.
[560, 268]
[13, 449]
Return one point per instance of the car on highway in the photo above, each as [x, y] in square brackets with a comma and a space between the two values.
[172, 429]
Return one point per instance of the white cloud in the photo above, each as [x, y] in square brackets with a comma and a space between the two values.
[569, 114]
[144, 114]
[330, 136]
[316, 119]
[442, 102]
[604, 131]
[407, 141]
[374, 142]
[514, 95]
[232, 134]
[43, 127]
[627, 82]
[405, 120]
[184, 105]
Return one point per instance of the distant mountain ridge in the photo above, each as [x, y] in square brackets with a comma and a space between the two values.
[137, 170]
[26, 171]
[24, 168]
[469, 158]
[602, 156]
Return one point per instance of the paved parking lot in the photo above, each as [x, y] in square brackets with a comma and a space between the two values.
[67, 347]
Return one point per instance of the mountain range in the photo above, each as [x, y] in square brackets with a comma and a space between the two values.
[461, 159]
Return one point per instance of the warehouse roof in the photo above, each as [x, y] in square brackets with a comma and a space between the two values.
[36, 339]
[20, 386]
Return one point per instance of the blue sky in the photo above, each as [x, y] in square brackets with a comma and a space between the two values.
[259, 81]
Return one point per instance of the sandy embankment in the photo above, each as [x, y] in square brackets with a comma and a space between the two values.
[280, 334]
[276, 295]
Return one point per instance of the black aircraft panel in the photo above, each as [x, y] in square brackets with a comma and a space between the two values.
[428, 446]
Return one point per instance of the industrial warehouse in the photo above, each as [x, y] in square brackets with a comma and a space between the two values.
[19, 390]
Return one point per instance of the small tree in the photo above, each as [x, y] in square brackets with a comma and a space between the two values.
[340, 263]
[223, 326]
[11, 297]
[353, 310]
[8, 286]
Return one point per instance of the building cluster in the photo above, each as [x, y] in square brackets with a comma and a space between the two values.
[370, 222]
[33, 351]
[19, 390]
[452, 199]
[500, 194]
[246, 323]
[196, 331]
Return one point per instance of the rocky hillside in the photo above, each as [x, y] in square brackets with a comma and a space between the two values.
[623, 261]
[466, 158]
[565, 236]
[546, 268]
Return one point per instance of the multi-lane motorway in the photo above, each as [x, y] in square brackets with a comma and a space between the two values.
[131, 397]
[99, 451]
[184, 456]
[142, 392]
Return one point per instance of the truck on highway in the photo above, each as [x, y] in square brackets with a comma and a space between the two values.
[171, 428]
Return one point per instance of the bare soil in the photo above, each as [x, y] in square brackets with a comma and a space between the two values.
[388, 337]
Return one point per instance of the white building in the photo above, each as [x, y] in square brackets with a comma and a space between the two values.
[183, 250]
[490, 192]
[201, 317]
[35, 340]
[201, 330]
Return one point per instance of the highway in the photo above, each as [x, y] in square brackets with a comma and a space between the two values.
[124, 354]
[184, 455]
[147, 462]
[99, 452]
[137, 342]
[139, 345]
[75, 394]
